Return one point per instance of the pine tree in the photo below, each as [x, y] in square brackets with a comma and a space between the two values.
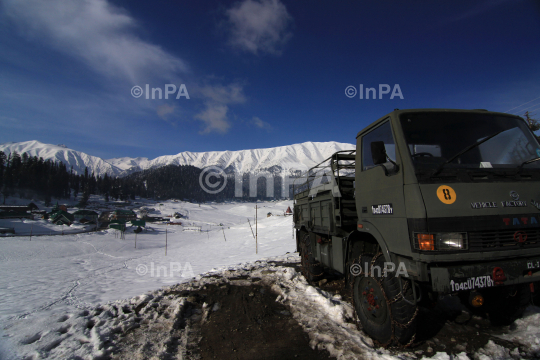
[48, 199]
[86, 195]
[7, 187]
[106, 186]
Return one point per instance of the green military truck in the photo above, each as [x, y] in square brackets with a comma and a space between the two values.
[432, 202]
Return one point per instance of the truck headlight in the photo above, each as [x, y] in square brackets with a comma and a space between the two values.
[440, 241]
[451, 241]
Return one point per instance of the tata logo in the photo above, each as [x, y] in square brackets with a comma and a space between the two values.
[520, 236]
[520, 221]
[514, 195]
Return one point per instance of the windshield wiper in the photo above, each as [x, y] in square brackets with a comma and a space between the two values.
[525, 163]
[468, 148]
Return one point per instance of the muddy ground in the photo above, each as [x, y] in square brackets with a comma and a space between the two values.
[241, 322]
[446, 327]
[250, 324]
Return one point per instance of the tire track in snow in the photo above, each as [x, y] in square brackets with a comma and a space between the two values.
[68, 296]
[49, 305]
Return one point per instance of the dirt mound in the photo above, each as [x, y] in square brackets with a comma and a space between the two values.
[267, 310]
[247, 323]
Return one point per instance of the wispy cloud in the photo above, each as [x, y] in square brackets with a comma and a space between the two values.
[215, 118]
[230, 94]
[260, 123]
[259, 26]
[218, 97]
[164, 110]
[96, 32]
[104, 38]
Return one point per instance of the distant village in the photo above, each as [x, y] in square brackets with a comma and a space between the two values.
[95, 216]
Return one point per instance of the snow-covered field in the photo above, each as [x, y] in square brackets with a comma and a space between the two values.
[61, 274]
[69, 296]
[41, 227]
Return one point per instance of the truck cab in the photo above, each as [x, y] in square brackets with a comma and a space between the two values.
[447, 201]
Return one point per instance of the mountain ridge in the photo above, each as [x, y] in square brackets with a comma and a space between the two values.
[296, 156]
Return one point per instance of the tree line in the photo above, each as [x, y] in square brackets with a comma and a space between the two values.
[32, 177]
[184, 182]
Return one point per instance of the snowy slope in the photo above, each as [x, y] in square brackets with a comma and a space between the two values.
[67, 274]
[297, 157]
[77, 159]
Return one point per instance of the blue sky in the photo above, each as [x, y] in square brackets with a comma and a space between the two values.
[259, 73]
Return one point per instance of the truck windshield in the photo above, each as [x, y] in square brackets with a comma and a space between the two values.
[435, 138]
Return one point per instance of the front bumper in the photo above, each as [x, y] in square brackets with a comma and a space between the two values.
[451, 279]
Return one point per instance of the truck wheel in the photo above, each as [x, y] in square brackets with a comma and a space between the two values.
[378, 300]
[311, 268]
[507, 304]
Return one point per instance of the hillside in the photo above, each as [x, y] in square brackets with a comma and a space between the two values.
[297, 156]
[77, 159]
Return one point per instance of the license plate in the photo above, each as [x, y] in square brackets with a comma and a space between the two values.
[472, 283]
[533, 264]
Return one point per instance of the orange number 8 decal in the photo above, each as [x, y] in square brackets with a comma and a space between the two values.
[446, 194]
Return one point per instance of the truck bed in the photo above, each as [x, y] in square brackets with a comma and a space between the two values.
[324, 200]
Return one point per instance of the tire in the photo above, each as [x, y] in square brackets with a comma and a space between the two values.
[388, 324]
[311, 268]
[505, 305]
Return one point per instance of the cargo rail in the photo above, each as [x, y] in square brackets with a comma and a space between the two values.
[324, 195]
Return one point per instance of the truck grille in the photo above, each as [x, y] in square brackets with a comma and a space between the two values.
[503, 240]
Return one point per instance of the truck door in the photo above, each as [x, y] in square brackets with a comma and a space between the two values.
[379, 188]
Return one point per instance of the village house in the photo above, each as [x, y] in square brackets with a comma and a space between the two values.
[126, 215]
[61, 217]
[15, 212]
[88, 215]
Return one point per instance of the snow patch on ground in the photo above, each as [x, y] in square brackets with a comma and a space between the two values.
[95, 332]
[526, 331]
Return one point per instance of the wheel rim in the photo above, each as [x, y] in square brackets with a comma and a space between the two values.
[370, 300]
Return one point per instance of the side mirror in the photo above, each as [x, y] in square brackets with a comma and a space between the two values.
[378, 152]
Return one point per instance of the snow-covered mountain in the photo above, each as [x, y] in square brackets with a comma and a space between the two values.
[77, 159]
[297, 157]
